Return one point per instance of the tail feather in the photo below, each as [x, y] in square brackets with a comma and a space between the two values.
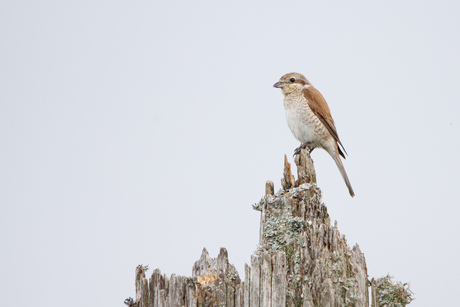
[338, 162]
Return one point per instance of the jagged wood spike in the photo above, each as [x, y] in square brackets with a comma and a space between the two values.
[255, 281]
[288, 180]
[247, 285]
[269, 188]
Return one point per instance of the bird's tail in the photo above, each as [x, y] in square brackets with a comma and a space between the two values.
[338, 161]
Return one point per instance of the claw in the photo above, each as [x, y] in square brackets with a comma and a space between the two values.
[297, 150]
[303, 146]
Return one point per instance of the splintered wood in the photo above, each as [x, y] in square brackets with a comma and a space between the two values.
[288, 179]
[215, 282]
[321, 270]
[301, 260]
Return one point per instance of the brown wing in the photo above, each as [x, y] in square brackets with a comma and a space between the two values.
[319, 106]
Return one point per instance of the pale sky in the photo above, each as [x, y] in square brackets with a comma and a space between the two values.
[139, 132]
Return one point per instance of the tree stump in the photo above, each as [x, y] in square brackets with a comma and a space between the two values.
[301, 260]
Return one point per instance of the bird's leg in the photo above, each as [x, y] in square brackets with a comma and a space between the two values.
[303, 146]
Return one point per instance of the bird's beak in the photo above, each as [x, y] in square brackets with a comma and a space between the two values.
[278, 85]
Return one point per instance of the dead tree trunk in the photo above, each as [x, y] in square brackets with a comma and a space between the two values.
[302, 260]
[321, 269]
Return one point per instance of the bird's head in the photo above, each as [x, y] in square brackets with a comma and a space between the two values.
[291, 82]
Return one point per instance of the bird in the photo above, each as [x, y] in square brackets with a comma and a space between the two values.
[310, 121]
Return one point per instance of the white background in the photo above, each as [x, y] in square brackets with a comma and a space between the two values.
[139, 132]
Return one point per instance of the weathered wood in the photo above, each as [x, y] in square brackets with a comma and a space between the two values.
[157, 282]
[321, 269]
[162, 298]
[301, 260]
[142, 286]
[269, 188]
[262, 220]
[305, 169]
[279, 280]
[255, 282]
[266, 280]
[230, 295]
[288, 180]
[239, 295]
[176, 293]
[247, 285]
[220, 291]
[374, 302]
[190, 294]
[307, 296]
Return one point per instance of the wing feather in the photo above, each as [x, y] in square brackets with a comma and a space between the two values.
[319, 106]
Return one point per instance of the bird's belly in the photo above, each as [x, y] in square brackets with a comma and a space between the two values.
[305, 127]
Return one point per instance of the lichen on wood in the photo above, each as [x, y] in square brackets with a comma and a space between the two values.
[387, 293]
[321, 269]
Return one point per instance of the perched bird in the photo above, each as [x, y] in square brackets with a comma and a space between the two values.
[310, 120]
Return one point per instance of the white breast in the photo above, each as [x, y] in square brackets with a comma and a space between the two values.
[303, 123]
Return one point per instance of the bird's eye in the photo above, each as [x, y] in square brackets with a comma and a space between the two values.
[292, 80]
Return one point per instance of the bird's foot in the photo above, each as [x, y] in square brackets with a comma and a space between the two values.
[303, 146]
[298, 150]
